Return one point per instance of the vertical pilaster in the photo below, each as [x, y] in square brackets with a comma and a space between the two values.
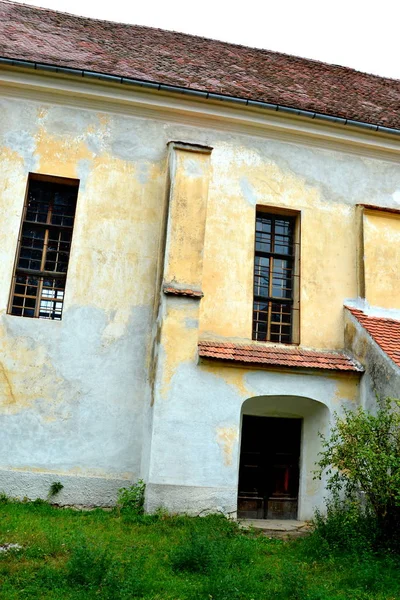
[172, 461]
[361, 292]
[189, 167]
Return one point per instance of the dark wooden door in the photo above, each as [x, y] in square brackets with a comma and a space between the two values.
[269, 468]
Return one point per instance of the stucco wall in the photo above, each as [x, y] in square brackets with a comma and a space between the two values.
[74, 393]
[197, 419]
[382, 258]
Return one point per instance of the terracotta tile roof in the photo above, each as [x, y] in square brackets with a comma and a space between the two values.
[278, 356]
[385, 332]
[42, 35]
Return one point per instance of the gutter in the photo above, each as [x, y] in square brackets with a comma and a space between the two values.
[161, 87]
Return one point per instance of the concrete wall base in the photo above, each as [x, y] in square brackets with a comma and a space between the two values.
[77, 490]
[191, 500]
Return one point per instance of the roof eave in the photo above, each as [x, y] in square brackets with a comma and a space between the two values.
[162, 87]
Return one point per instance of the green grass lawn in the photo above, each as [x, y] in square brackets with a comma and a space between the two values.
[68, 554]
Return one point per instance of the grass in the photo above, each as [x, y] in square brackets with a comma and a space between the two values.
[73, 555]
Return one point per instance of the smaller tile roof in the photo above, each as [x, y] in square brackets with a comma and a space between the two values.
[385, 332]
[278, 356]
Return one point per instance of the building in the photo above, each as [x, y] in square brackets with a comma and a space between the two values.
[200, 263]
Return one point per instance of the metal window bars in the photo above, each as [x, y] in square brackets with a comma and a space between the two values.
[274, 304]
[44, 247]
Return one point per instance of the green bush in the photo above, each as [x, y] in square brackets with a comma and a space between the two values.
[361, 459]
[132, 497]
[346, 526]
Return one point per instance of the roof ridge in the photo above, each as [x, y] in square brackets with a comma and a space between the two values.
[353, 310]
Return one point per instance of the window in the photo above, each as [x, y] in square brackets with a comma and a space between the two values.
[44, 247]
[275, 308]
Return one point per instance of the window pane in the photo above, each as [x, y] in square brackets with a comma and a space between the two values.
[38, 203]
[52, 298]
[283, 239]
[64, 206]
[263, 234]
[282, 278]
[281, 318]
[25, 293]
[260, 321]
[261, 276]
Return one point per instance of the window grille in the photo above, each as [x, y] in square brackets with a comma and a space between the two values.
[44, 247]
[274, 278]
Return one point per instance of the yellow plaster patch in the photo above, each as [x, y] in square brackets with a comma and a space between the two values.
[226, 439]
[234, 377]
[114, 251]
[187, 216]
[26, 375]
[382, 259]
[178, 341]
[347, 390]
[60, 155]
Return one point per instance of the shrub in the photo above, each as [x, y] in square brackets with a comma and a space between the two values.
[346, 527]
[362, 461]
[132, 497]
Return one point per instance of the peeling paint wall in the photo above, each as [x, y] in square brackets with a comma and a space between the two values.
[382, 259]
[72, 393]
[76, 396]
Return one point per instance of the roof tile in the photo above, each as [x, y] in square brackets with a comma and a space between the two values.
[42, 35]
[278, 356]
[385, 332]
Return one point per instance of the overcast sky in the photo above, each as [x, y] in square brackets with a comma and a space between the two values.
[354, 33]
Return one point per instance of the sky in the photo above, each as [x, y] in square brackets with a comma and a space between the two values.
[352, 33]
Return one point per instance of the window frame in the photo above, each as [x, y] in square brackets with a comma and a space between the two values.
[41, 274]
[295, 216]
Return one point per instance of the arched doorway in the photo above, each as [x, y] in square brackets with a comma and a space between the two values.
[278, 451]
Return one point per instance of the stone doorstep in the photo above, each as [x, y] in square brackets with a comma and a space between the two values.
[277, 528]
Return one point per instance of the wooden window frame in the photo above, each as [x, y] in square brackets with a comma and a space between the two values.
[39, 292]
[293, 323]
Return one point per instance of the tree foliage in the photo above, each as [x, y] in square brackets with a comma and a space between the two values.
[361, 458]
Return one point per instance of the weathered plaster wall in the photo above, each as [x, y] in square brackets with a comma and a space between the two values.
[324, 186]
[197, 420]
[74, 394]
[382, 259]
